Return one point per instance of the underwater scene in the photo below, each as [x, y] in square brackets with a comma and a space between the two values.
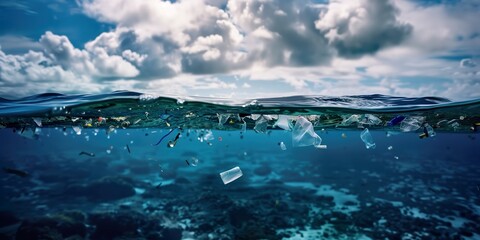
[131, 166]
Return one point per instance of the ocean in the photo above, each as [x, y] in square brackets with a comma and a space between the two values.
[128, 165]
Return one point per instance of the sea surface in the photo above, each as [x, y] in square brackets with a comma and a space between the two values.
[128, 165]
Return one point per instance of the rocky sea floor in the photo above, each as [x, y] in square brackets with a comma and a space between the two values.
[300, 193]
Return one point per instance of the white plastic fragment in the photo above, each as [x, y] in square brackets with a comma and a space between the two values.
[222, 119]
[390, 147]
[231, 175]
[77, 129]
[367, 139]
[38, 121]
[284, 122]
[303, 134]
[430, 131]
[369, 119]
[282, 146]
[350, 120]
[410, 124]
[261, 125]
[321, 146]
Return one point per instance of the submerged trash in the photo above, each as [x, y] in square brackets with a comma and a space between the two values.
[427, 131]
[282, 146]
[396, 120]
[303, 134]
[87, 153]
[128, 148]
[410, 124]
[261, 125]
[204, 135]
[321, 146]
[38, 121]
[222, 119]
[172, 144]
[344, 135]
[367, 139]
[370, 119]
[231, 175]
[354, 118]
[284, 122]
[77, 129]
[390, 148]
[17, 172]
[164, 136]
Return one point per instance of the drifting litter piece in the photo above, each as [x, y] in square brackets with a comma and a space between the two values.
[284, 122]
[261, 125]
[303, 134]
[396, 120]
[367, 139]
[282, 146]
[231, 175]
[38, 121]
[427, 131]
[410, 124]
[321, 146]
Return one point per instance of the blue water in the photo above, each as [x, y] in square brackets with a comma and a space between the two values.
[124, 187]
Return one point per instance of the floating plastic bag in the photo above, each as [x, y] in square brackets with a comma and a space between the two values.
[369, 119]
[231, 175]
[304, 135]
[411, 124]
[350, 120]
[261, 125]
[367, 139]
[222, 119]
[284, 122]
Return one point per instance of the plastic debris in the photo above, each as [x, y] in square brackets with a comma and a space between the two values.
[427, 131]
[350, 120]
[370, 119]
[410, 124]
[395, 157]
[344, 135]
[172, 143]
[396, 120]
[321, 146]
[367, 139]
[231, 175]
[222, 119]
[284, 122]
[77, 129]
[303, 134]
[128, 148]
[204, 135]
[38, 121]
[390, 148]
[261, 125]
[164, 136]
[282, 146]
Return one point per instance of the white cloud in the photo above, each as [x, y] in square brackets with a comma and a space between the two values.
[358, 27]
[181, 47]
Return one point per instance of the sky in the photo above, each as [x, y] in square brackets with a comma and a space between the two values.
[241, 49]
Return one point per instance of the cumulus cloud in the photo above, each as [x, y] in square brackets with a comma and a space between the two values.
[358, 27]
[305, 46]
[95, 62]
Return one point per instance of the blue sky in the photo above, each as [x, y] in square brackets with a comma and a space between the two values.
[241, 48]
